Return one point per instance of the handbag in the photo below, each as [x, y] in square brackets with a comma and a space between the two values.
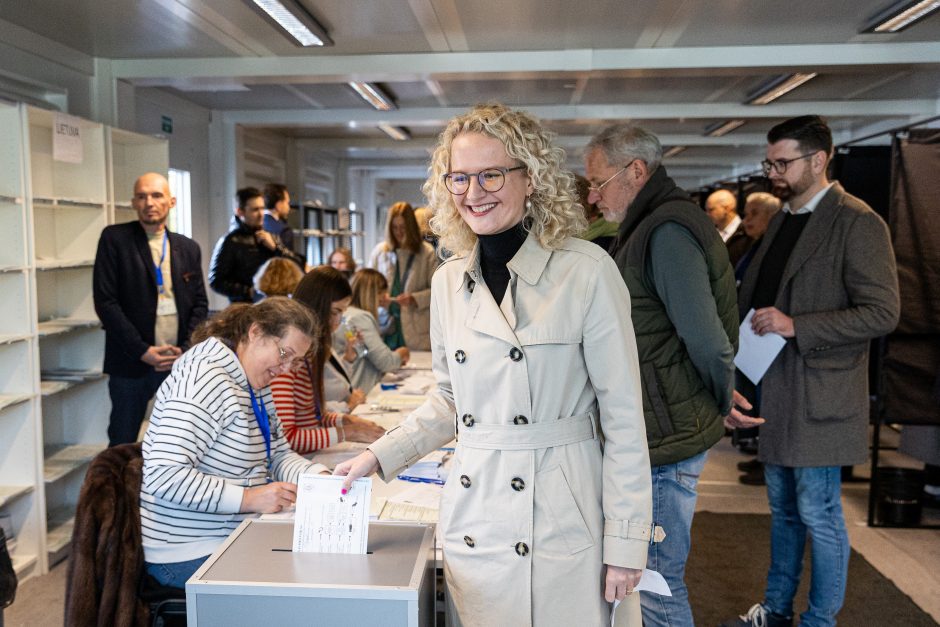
[7, 574]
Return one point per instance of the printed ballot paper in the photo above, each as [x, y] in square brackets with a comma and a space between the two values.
[328, 521]
[756, 352]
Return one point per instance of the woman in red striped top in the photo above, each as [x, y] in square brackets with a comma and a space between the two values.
[308, 425]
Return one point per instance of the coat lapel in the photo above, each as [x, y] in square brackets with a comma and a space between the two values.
[143, 248]
[483, 314]
[815, 234]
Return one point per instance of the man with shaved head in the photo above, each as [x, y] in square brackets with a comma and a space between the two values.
[722, 207]
[149, 294]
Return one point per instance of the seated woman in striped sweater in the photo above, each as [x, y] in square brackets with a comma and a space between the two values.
[310, 423]
[215, 451]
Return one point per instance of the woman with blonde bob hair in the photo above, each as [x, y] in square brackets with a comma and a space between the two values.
[536, 365]
[407, 262]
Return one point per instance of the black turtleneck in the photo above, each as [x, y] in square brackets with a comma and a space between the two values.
[495, 252]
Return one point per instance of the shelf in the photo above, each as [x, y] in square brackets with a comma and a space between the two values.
[60, 461]
[60, 524]
[9, 493]
[11, 269]
[9, 400]
[124, 205]
[63, 264]
[80, 203]
[58, 326]
[328, 233]
[58, 381]
[15, 200]
[13, 338]
[21, 563]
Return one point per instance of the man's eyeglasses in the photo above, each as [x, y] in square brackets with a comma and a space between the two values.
[491, 179]
[780, 165]
[597, 188]
[287, 358]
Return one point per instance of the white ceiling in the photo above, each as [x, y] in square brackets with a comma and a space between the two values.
[674, 66]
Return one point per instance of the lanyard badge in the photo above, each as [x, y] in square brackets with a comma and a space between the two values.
[264, 423]
[158, 267]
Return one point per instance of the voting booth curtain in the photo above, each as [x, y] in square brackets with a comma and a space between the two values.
[912, 358]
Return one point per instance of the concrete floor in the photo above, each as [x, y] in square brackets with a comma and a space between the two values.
[908, 557]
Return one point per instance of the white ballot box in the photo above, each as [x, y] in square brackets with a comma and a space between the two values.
[255, 579]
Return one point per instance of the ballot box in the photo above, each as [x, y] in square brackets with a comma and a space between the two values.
[254, 579]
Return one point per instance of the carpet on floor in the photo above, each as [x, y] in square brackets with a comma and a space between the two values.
[727, 570]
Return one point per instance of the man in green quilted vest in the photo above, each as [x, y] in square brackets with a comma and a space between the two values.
[684, 311]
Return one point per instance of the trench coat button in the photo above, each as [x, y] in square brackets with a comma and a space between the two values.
[465, 481]
[515, 354]
[460, 356]
[522, 548]
[468, 420]
[469, 541]
[517, 484]
[471, 284]
[520, 420]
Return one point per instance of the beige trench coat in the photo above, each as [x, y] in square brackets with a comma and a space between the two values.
[415, 320]
[527, 523]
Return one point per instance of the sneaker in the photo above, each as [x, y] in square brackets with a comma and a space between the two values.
[759, 616]
[750, 466]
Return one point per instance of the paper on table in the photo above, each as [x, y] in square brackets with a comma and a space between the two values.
[328, 521]
[756, 352]
[650, 581]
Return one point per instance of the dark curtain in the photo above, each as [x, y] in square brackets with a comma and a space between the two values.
[912, 358]
[861, 171]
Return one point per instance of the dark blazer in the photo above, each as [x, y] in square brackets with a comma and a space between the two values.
[125, 292]
[840, 286]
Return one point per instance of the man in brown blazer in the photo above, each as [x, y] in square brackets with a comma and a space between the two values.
[824, 278]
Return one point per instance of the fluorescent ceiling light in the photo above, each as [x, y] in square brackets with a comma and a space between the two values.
[900, 15]
[396, 132]
[291, 17]
[374, 95]
[777, 87]
[720, 129]
[672, 152]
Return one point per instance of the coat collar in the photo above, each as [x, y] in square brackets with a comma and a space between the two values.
[528, 263]
[817, 231]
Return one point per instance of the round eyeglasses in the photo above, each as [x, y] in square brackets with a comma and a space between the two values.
[780, 165]
[490, 180]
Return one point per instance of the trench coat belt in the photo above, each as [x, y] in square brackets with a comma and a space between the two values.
[535, 435]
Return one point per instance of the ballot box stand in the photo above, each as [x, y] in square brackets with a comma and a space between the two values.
[255, 579]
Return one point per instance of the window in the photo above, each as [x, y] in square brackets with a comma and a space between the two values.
[180, 220]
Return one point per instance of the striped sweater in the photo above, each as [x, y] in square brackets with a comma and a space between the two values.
[203, 446]
[293, 397]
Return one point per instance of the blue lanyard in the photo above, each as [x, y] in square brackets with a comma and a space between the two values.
[264, 425]
[158, 266]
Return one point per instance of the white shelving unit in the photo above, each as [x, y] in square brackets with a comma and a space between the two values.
[54, 402]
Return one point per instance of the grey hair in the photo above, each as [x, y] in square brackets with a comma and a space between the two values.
[622, 143]
[767, 203]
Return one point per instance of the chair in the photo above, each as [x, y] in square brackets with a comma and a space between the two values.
[106, 580]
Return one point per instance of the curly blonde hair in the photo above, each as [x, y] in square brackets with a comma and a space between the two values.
[554, 214]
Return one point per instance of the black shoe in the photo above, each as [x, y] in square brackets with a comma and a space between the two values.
[753, 478]
[750, 466]
[758, 616]
[930, 500]
[748, 447]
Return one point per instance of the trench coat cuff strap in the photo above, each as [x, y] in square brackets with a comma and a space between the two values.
[625, 552]
[395, 451]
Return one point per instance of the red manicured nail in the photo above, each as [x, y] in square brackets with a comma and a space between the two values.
[344, 490]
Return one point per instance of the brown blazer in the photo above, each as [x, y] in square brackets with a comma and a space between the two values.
[840, 286]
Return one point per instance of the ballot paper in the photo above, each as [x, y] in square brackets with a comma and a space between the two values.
[756, 352]
[328, 521]
[650, 581]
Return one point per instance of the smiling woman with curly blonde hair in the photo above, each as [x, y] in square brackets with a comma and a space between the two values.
[552, 213]
[535, 360]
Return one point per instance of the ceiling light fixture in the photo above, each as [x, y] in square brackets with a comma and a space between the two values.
[291, 17]
[374, 95]
[397, 133]
[672, 152]
[900, 15]
[720, 129]
[777, 87]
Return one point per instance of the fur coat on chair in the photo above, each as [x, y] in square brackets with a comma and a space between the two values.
[107, 557]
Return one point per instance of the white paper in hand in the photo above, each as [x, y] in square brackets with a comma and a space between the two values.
[650, 581]
[756, 352]
[328, 521]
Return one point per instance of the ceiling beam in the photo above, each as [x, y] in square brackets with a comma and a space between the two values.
[419, 66]
[436, 116]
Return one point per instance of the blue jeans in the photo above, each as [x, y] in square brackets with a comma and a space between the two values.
[129, 398]
[175, 574]
[674, 496]
[804, 499]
